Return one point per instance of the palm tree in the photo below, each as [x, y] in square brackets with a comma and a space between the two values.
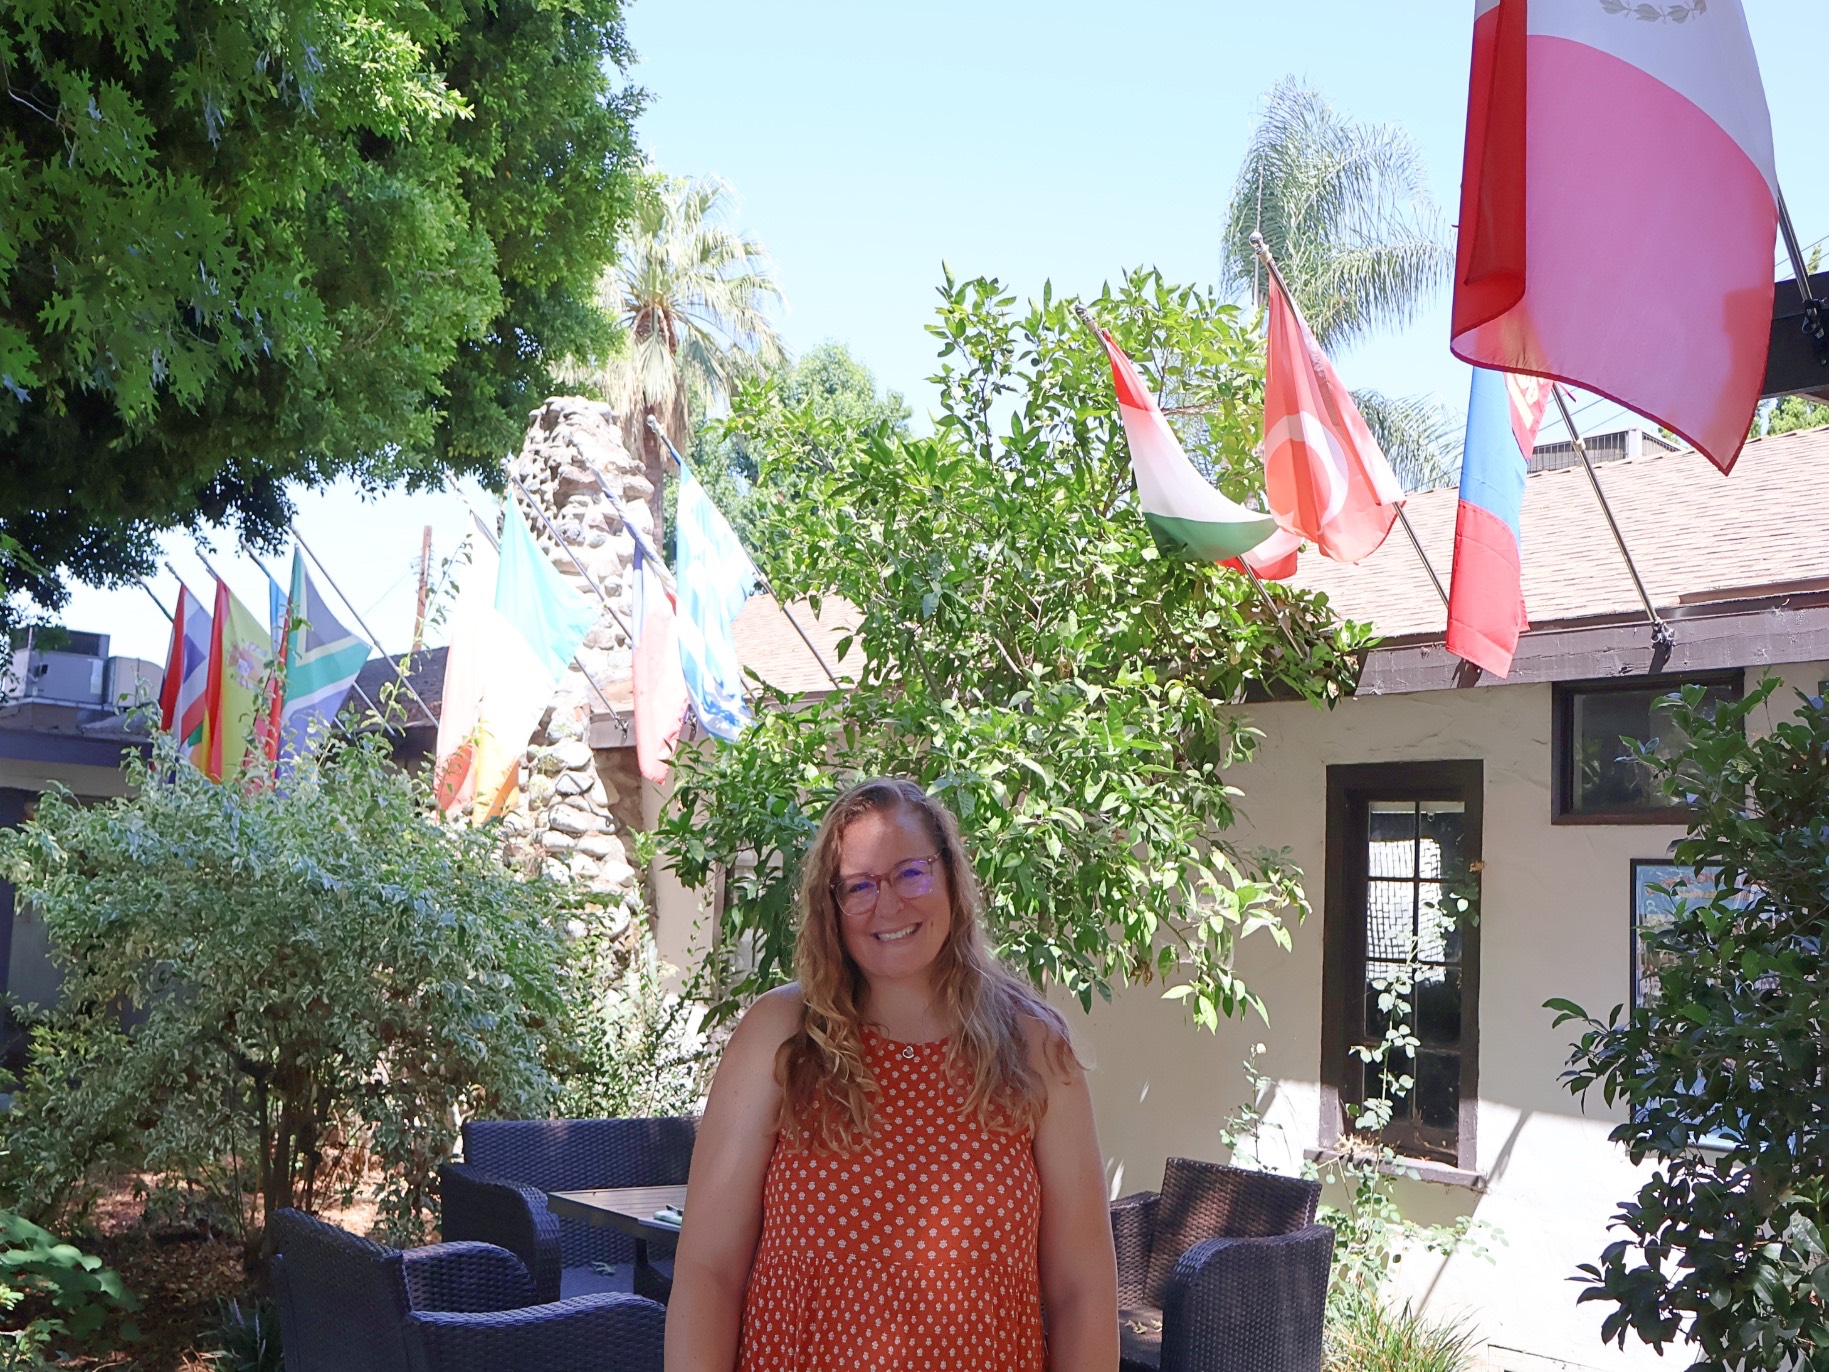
[1345, 211]
[690, 296]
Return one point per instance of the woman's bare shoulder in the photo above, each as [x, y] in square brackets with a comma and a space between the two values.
[771, 1021]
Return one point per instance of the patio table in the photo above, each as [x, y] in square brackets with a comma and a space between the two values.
[629, 1210]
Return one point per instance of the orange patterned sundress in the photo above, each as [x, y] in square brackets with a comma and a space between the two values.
[917, 1254]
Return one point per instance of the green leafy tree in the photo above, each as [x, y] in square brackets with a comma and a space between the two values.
[251, 245]
[1027, 652]
[261, 984]
[825, 400]
[692, 296]
[1790, 413]
[1722, 1075]
[1344, 208]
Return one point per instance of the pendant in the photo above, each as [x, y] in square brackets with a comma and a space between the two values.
[908, 1051]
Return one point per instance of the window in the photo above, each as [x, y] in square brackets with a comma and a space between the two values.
[1596, 779]
[1403, 853]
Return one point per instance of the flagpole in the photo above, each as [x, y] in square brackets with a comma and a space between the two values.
[1265, 256]
[761, 576]
[156, 601]
[1660, 631]
[1815, 323]
[375, 643]
[482, 527]
[255, 559]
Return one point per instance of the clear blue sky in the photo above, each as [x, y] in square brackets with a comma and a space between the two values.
[1026, 140]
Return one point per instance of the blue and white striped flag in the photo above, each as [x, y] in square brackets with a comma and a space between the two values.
[714, 576]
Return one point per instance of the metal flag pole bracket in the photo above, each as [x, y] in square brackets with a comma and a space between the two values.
[1660, 631]
[1816, 309]
[761, 577]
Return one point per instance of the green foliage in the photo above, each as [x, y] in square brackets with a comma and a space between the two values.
[1789, 414]
[638, 1052]
[1345, 210]
[1722, 1076]
[265, 987]
[1368, 1336]
[80, 1293]
[247, 1338]
[1026, 652]
[826, 401]
[247, 245]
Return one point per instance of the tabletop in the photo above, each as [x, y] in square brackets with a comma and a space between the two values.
[627, 1209]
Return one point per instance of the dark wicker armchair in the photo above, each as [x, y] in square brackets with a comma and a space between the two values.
[1223, 1271]
[498, 1194]
[347, 1304]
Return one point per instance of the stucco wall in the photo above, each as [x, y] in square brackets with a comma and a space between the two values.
[1555, 922]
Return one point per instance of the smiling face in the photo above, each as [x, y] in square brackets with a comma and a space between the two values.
[899, 940]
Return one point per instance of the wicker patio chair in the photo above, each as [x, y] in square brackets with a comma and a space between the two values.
[1224, 1270]
[498, 1194]
[347, 1304]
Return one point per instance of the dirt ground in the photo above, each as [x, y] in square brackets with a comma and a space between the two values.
[181, 1278]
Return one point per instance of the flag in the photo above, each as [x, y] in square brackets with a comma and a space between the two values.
[539, 624]
[187, 670]
[1185, 515]
[321, 660]
[715, 577]
[240, 649]
[1582, 112]
[1326, 477]
[660, 682]
[1486, 593]
[474, 622]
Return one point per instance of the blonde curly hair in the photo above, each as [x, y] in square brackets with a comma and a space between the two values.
[827, 1087]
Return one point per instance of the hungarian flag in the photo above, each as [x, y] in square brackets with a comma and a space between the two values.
[1486, 594]
[660, 682]
[1586, 115]
[1325, 475]
[241, 647]
[187, 670]
[1185, 515]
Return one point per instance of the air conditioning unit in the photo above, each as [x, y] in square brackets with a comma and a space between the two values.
[75, 672]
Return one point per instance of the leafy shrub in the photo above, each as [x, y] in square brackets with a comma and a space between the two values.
[639, 1052]
[1727, 1246]
[80, 1292]
[263, 983]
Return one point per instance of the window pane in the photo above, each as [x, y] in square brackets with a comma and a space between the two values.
[1438, 1090]
[1437, 999]
[1391, 836]
[1604, 776]
[1375, 1086]
[1390, 919]
[1382, 979]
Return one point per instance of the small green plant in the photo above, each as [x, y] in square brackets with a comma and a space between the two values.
[1369, 1336]
[247, 1338]
[639, 1050]
[38, 1267]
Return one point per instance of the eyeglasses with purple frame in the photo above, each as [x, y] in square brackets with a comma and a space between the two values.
[857, 893]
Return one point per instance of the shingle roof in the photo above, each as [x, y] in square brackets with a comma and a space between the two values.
[768, 644]
[1695, 535]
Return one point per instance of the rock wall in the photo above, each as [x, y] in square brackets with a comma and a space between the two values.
[580, 808]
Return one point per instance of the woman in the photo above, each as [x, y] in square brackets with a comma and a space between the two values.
[897, 1169]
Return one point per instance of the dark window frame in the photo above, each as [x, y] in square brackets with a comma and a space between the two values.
[1562, 742]
[1350, 787]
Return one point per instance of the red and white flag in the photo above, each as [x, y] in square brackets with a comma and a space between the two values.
[659, 679]
[1618, 208]
[1326, 477]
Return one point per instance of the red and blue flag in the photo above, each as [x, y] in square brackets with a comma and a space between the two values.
[1486, 594]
